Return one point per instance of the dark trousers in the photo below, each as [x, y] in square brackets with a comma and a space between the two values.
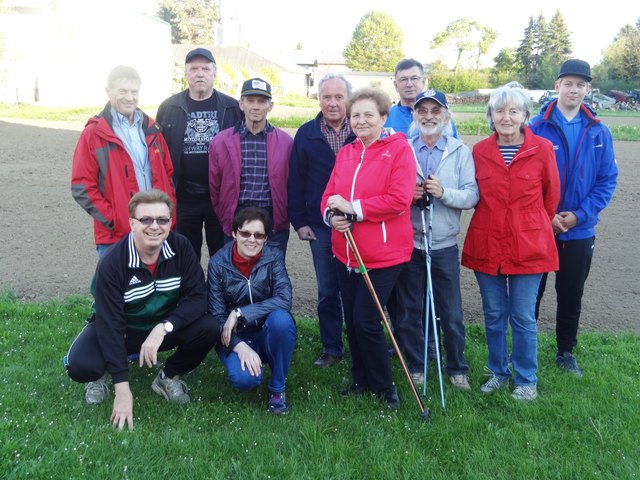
[575, 262]
[370, 362]
[85, 362]
[191, 214]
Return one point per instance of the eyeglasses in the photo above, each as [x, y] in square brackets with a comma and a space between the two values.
[148, 221]
[257, 235]
[425, 111]
[405, 80]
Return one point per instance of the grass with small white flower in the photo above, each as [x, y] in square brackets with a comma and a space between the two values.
[577, 428]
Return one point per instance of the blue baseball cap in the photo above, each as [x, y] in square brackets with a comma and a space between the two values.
[434, 95]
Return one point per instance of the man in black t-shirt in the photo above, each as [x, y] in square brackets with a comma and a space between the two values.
[189, 120]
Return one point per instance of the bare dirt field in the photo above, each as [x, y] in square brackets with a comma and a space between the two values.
[47, 249]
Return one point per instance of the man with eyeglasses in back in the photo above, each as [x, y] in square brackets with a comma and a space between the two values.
[409, 80]
[119, 153]
[150, 296]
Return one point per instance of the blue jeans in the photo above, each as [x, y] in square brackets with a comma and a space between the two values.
[275, 239]
[329, 303]
[274, 342]
[101, 248]
[511, 299]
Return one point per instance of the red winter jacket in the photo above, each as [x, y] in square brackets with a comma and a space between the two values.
[103, 179]
[382, 176]
[510, 231]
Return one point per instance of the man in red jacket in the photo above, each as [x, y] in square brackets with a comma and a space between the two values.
[120, 152]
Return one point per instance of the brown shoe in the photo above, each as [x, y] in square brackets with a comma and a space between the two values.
[326, 360]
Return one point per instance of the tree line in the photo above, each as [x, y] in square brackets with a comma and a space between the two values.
[376, 45]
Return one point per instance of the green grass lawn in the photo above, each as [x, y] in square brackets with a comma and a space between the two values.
[577, 429]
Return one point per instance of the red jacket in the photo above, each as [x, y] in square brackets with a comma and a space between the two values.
[225, 168]
[103, 179]
[510, 231]
[382, 176]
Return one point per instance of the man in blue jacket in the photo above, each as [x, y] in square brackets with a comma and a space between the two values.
[588, 174]
[312, 159]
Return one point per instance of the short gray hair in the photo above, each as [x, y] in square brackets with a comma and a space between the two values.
[511, 93]
[337, 76]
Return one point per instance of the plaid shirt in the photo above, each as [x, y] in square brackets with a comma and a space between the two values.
[254, 178]
[335, 139]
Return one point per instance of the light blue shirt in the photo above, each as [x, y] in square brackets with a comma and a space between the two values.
[134, 141]
[429, 158]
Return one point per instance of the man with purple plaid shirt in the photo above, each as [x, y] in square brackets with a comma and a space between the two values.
[249, 165]
[312, 159]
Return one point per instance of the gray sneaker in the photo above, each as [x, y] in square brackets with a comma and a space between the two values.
[172, 389]
[525, 392]
[96, 392]
[461, 382]
[417, 378]
[567, 362]
[494, 383]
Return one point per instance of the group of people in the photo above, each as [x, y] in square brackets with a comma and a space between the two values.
[363, 166]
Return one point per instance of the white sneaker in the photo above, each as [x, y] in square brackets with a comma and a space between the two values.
[494, 383]
[417, 378]
[96, 392]
[525, 392]
[172, 389]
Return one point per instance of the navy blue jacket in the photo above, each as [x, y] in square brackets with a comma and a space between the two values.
[587, 182]
[267, 289]
[310, 167]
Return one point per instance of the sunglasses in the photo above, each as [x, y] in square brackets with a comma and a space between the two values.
[256, 235]
[148, 221]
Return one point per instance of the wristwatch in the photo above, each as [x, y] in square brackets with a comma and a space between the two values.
[238, 312]
[168, 326]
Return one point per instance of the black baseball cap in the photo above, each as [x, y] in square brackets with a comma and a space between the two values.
[256, 86]
[200, 52]
[575, 68]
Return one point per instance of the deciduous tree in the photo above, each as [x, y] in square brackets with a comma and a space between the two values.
[192, 21]
[376, 45]
[467, 37]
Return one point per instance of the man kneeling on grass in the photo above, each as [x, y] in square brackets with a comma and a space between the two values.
[150, 295]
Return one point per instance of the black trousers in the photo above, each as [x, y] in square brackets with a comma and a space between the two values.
[85, 361]
[191, 213]
[575, 262]
[370, 362]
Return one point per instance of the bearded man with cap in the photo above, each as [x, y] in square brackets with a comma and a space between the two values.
[445, 170]
[249, 166]
[588, 174]
[189, 120]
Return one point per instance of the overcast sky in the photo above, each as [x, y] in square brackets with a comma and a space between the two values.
[328, 24]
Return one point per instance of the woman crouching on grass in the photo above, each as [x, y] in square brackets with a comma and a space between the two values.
[250, 296]
[510, 243]
[373, 181]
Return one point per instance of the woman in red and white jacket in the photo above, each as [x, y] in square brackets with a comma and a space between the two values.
[370, 191]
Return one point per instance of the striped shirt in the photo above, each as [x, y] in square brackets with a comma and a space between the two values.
[254, 176]
[335, 139]
[508, 152]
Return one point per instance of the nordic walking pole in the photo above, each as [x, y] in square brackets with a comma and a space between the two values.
[424, 412]
[430, 306]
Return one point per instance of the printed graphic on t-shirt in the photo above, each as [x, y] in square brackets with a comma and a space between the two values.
[201, 128]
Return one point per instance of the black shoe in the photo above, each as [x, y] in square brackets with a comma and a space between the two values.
[390, 397]
[353, 389]
[326, 360]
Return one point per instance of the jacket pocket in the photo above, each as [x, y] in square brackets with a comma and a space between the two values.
[533, 236]
[476, 243]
